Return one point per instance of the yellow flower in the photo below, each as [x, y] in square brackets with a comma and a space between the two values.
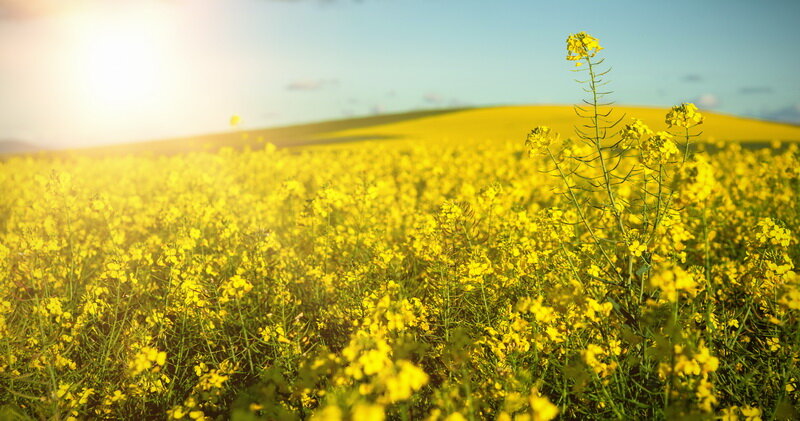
[235, 120]
[374, 361]
[368, 412]
[539, 140]
[658, 149]
[455, 416]
[593, 355]
[117, 396]
[409, 379]
[635, 131]
[177, 412]
[673, 281]
[582, 46]
[768, 232]
[696, 181]
[751, 413]
[235, 288]
[729, 414]
[684, 115]
[329, 413]
[774, 344]
[791, 297]
[636, 248]
[146, 359]
[541, 407]
[708, 362]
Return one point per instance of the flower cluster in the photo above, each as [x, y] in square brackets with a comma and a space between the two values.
[147, 359]
[768, 232]
[697, 181]
[685, 115]
[674, 281]
[582, 46]
[658, 149]
[539, 140]
[634, 132]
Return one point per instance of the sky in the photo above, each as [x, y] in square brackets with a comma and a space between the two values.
[89, 72]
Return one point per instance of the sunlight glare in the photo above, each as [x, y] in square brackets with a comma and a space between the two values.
[121, 61]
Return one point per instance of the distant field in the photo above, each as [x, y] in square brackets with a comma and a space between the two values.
[286, 136]
[509, 123]
[514, 122]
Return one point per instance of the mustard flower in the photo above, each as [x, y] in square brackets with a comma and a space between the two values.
[368, 412]
[697, 181]
[751, 413]
[146, 359]
[582, 46]
[539, 140]
[328, 413]
[768, 232]
[684, 115]
[672, 281]
[635, 131]
[541, 407]
[658, 149]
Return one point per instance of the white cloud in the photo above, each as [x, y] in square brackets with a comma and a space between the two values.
[708, 101]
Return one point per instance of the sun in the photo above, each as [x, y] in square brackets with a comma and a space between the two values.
[120, 61]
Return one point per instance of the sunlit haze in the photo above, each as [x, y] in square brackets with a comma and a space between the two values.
[92, 72]
[122, 60]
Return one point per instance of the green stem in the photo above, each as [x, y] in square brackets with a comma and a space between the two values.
[578, 208]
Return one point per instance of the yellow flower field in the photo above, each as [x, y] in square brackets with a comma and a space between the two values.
[510, 123]
[511, 276]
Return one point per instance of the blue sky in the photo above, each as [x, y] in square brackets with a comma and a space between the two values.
[123, 70]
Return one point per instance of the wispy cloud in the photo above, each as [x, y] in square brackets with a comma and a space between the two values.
[311, 84]
[707, 101]
[692, 77]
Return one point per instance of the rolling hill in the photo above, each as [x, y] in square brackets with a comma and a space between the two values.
[13, 146]
[506, 123]
[514, 122]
